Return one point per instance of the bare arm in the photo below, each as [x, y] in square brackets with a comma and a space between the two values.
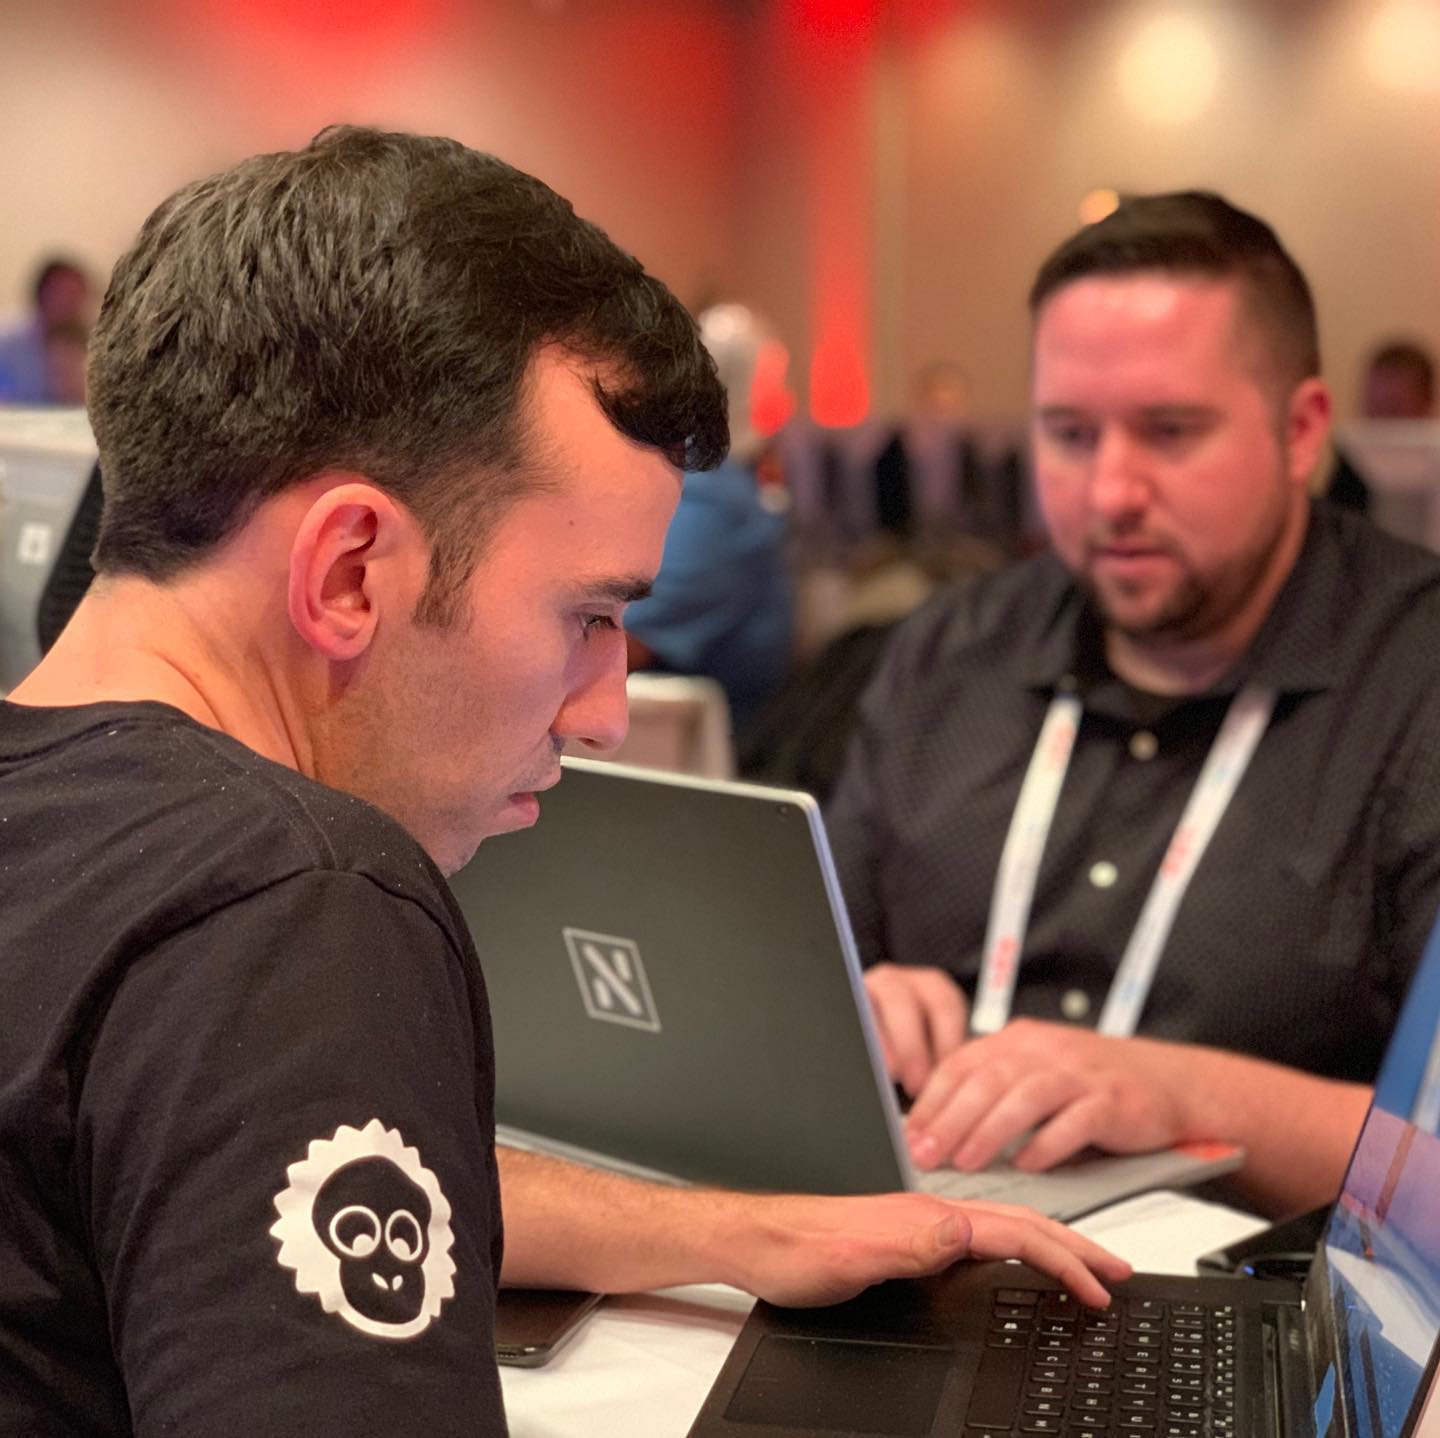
[1076, 1088]
[568, 1226]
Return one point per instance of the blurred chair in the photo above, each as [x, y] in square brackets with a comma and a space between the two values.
[677, 722]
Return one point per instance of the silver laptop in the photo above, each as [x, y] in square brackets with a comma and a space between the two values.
[46, 456]
[994, 1350]
[676, 993]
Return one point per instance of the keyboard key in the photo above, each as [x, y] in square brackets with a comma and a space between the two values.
[1007, 1340]
[1084, 1431]
[1010, 1325]
[1091, 1403]
[1130, 1386]
[1186, 1415]
[1013, 1310]
[1144, 1325]
[1045, 1407]
[1054, 1344]
[1147, 1308]
[1094, 1385]
[1031, 1424]
[1181, 1430]
[1139, 1403]
[1028, 1296]
[1133, 1422]
[1095, 1370]
[1046, 1390]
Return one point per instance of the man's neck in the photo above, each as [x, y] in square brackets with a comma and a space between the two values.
[1160, 664]
[131, 640]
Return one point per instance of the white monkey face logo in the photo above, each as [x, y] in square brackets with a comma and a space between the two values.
[366, 1228]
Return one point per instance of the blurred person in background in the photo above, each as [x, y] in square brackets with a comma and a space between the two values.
[32, 370]
[1399, 384]
[1045, 755]
[723, 603]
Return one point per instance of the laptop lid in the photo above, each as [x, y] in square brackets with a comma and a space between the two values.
[1373, 1295]
[675, 990]
[669, 984]
[46, 456]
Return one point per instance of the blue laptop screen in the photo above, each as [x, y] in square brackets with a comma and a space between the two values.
[1382, 1246]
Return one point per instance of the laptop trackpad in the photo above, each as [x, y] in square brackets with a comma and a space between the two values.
[842, 1386]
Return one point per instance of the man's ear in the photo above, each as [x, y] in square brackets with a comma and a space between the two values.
[342, 570]
[1307, 427]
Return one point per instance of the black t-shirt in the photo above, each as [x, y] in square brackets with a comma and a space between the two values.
[247, 1169]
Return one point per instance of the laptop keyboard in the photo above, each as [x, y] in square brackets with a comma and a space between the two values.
[1152, 1368]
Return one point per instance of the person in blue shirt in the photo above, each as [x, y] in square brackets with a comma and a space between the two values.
[722, 605]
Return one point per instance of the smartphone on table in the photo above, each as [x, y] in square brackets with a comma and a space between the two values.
[533, 1324]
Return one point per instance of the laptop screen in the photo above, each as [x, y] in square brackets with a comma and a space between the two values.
[1380, 1274]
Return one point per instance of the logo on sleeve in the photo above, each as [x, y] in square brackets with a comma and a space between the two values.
[364, 1226]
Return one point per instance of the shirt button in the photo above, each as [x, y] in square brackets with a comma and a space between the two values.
[1075, 1004]
[1143, 745]
[1103, 874]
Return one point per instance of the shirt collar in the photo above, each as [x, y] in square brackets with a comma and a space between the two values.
[1293, 653]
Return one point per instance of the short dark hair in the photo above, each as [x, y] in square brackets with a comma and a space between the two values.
[1197, 232]
[371, 302]
[51, 268]
[1406, 355]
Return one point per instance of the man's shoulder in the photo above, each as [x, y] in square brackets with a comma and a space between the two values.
[1369, 552]
[1011, 610]
[184, 818]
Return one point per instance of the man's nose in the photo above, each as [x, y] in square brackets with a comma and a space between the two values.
[1118, 483]
[595, 712]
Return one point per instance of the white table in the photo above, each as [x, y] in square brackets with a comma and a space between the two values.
[642, 1364]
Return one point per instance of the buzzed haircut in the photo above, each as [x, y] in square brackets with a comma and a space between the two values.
[371, 303]
[1197, 232]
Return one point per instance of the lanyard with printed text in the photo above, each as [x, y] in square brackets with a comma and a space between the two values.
[1229, 756]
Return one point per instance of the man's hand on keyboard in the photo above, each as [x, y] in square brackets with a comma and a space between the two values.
[1071, 1087]
[803, 1251]
[920, 1016]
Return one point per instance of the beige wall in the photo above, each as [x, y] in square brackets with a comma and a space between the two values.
[704, 134]
[626, 107]
[992, 120]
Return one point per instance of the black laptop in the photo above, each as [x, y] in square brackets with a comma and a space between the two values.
[994, 1350]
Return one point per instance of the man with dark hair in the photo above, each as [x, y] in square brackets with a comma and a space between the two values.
[389, 439]
[1399, 382]
[29, 372]
[1177, 778]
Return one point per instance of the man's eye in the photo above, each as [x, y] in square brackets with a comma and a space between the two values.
[1071, 436]
[1172, 432]
[591, 624]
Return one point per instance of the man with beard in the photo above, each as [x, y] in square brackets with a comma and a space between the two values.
[1141, 839]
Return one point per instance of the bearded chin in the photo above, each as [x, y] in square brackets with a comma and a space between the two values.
[1183, 613]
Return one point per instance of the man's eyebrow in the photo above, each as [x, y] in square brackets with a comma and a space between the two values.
[623, 590]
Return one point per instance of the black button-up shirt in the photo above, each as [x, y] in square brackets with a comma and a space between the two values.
[1308, 912]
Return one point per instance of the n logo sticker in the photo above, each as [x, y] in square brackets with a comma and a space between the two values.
[613, 986]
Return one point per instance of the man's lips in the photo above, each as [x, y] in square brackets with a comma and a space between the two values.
[548, 782]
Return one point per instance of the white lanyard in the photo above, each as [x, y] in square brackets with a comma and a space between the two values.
[1229, 756]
